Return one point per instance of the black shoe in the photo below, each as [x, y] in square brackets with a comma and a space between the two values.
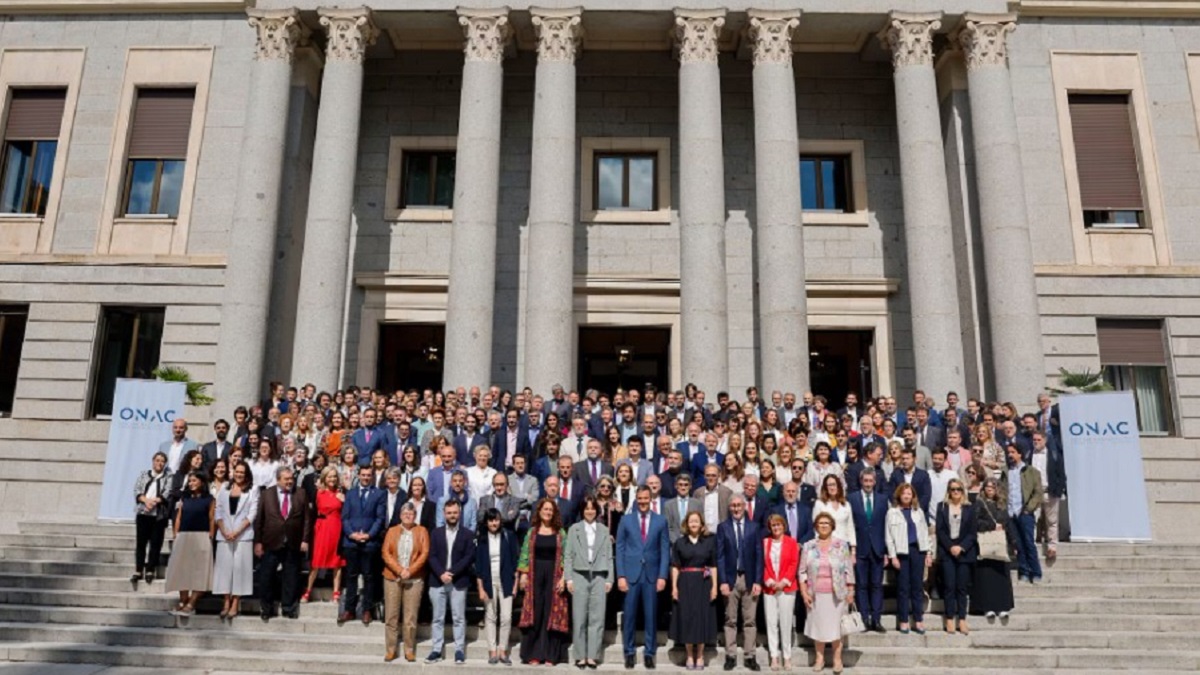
[730, 662]
[149, 577]
[752, 664]
[137, 576]
[878, 628]
[649, 662]
[294, 614]
[266, 617]
[629, 662]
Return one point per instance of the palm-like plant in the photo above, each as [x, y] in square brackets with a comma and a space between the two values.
[1080, 383]
[196, 391]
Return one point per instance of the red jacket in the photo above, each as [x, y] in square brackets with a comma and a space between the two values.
[789, 564]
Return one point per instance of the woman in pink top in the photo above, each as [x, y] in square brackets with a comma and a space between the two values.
[827, 586]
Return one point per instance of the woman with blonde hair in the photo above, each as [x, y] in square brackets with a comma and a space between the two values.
[694, 589]
[327, 533]
[989, 452]
[781, 558]
[909, 549]
[957, 551]
[827, 586]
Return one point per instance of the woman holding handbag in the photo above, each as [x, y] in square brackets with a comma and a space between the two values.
[957, 552]
[827, 585]
[991, 590]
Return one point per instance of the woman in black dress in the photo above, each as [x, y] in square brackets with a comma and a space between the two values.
[694, 588]
[991, 589]
[545, 620]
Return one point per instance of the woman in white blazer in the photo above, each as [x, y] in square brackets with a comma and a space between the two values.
[233, 573]
[908, 547]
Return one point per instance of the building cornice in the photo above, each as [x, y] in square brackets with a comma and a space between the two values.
[1116, 9]
[121, 6]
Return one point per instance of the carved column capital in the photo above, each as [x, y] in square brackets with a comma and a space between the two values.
[983, 38]
[559, 32]
[349, 31]
[278, 32]
[910, 38]
[771, 33]
[487, 32]
[696, 32]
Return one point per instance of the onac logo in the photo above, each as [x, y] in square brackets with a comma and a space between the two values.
[146, 415]
[1098, 429]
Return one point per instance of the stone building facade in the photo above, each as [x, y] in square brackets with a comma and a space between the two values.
[835, 196]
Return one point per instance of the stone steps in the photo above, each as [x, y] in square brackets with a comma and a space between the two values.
[88, 541]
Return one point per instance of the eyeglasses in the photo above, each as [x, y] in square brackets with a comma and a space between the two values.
[956, 489]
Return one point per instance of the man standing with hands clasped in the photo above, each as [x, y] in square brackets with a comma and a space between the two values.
[739, 571]
[643, 561]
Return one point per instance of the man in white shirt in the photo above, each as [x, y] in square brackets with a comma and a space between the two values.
[940, 476]
[575, 444]
[178, 445]
[395, 497]
[642, 468]
[713, 497]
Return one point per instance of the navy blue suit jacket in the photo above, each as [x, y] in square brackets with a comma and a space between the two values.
[762, 509]
[804, 521]
[701, 462]
[462, 563]
[364, 514]
[752, 551]
[466, 455]
[854, 474]
[967, 533]
[872, 537]
[508, 561]
[639, 561]
[500, 449]
[380, 440]
[921, 484]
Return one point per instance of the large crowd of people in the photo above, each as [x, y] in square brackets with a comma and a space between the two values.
[739, 516]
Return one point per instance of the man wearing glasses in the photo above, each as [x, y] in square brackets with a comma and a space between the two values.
[507, 504]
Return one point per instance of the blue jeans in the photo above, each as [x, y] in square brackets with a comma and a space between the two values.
[438, 595]
[643, 594]
[1024, 526]
[910, 582]
[868, 593]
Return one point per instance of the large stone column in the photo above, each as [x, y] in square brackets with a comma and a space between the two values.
[246, 299]
[1017, 357]
[783, 312]
[320, 322]
[936, 332]
[472, 292]
[549, 313]
[703, 317]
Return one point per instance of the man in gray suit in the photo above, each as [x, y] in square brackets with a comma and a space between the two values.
[642, 467]
[677, 508]
[179, 444]
[713, 498]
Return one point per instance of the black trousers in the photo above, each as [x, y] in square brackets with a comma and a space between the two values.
[359, 560]
[150, 532]
[269, 579]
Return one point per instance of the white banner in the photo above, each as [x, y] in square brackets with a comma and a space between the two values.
[141, 420]
[1103, 455]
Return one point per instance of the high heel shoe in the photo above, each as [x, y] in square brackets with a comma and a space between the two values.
[304, 598]
[837, 669]
[337, 595]
[819, 665]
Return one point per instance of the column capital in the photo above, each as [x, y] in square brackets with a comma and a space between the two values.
[910, 37]
[771, 32]
[559, 32]
[696, 32]
[278, 33]
[350, 31]
[487, 32]
[984, 38]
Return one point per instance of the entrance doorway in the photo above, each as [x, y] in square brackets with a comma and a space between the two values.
[411, 356]
[620, 358]
[840, 362]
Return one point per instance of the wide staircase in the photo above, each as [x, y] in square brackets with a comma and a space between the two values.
[65, 597]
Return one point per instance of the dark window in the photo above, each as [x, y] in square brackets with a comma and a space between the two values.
[130, 339]
[1106, 161]
[158, 144]
[824, 182]
[626, 181]
[428, 179]
[12, 338]
[1133, 357]
[30, 144]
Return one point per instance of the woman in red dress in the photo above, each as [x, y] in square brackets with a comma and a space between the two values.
[328, 532]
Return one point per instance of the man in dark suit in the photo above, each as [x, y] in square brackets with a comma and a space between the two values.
[869, 459]
[214, 450]
[851, 408]
[588, 472]
[795, 513]
[369, 438]
[757, 506]
[465, 442]
[740, 574]
[643, 562]
[509, 441]
[869, 510]
[393, 497]
[451, 560]
[570, 491]
[808, 493]
[675, 466]
[362, 531]
[693, 446]
[282, 530]
[649, 435]
[909, 472]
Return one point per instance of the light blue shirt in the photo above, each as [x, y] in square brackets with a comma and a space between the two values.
[1015, 502]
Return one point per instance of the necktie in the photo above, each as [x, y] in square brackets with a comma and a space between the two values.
[368, 435]
[792, 519]
[738, 530]
[287, 505]
[750, 509]
[643, 528]
[654, 506]
[362, 495]
[595, 472]
[682, 507]
[870, 508]
[567, 490]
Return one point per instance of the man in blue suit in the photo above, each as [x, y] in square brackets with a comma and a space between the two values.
[466, 442]
[437, 482]
[909, 472]
[510, 441]
[363, 517]
[740, 572]
[869, 510]
[795, 513]
[692, 446]
[643, 561]
[757, 506]
[451, 560]
[369, 438]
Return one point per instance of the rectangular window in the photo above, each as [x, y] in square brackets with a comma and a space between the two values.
[824, 182]
[626, 182]
[1110, 182]
[1133, 357]
[158, 144]
[428, 179]
[30, 144]
[12, 338]
[130, 339]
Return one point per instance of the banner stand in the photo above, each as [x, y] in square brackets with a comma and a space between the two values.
[143, 411]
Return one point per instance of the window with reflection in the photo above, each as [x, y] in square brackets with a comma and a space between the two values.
[626, 182]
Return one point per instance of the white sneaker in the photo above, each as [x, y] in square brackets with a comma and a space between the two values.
[991, 615]
[1003, 615]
